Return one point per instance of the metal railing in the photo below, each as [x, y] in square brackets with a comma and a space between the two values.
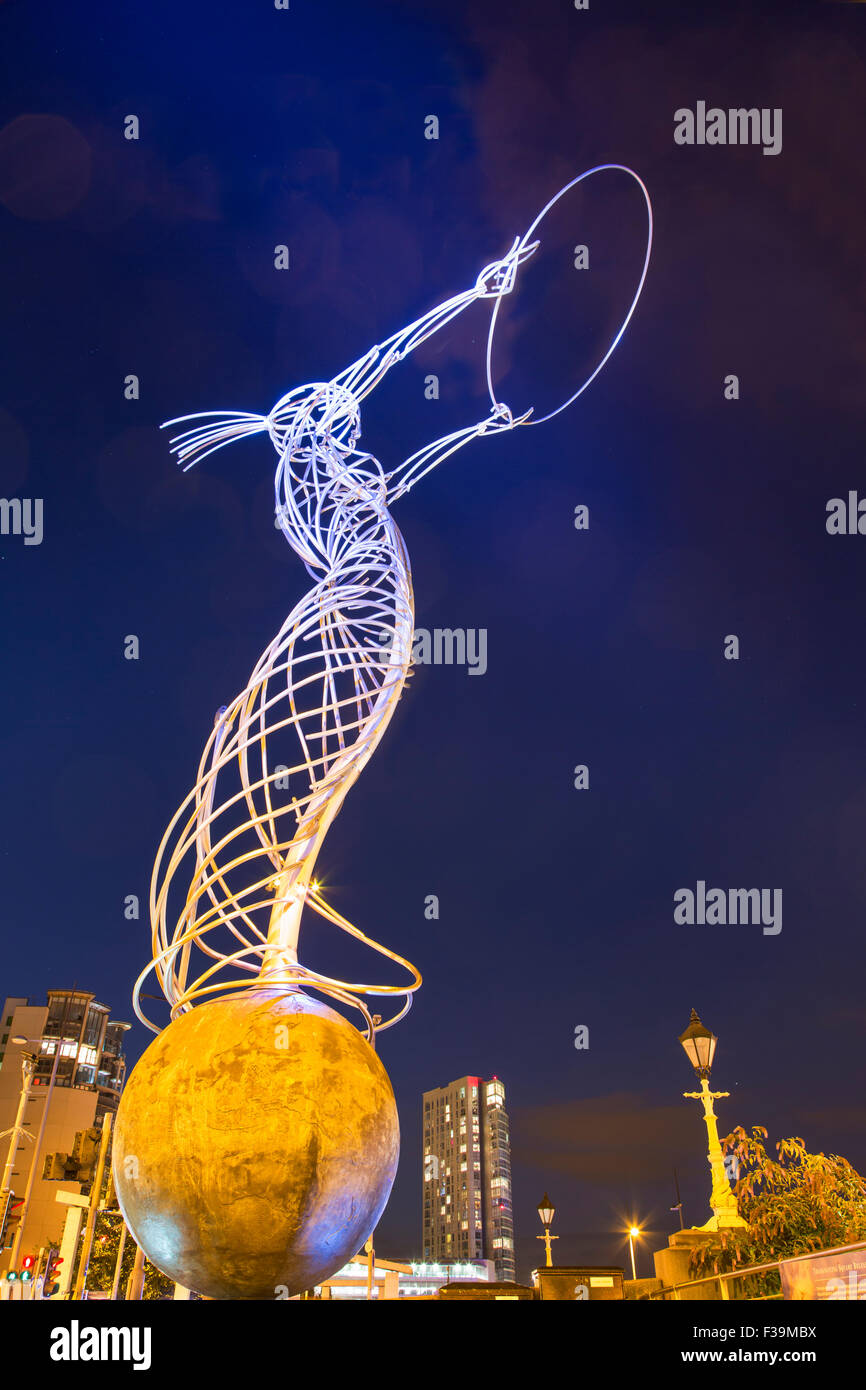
[673, 1290]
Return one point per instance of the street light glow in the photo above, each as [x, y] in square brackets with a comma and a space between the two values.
[633, 1233]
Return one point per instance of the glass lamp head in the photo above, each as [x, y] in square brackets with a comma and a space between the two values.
[699, 1045]
[546, 1211]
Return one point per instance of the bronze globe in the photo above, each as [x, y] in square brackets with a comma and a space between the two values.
[255, 1145]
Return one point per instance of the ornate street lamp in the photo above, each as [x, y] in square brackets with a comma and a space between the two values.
[546, 1212]
[699, 1045]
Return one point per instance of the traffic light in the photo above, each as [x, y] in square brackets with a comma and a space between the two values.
[10, 1212]
[80, 1164]
[27, 1269]
[5, 1203]
[52, 1274]
[57, 1167]
[85, 1152]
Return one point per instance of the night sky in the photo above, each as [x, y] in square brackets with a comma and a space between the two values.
[605, 646]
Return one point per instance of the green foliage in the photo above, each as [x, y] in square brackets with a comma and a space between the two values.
[793, 1204]
[103, 1258]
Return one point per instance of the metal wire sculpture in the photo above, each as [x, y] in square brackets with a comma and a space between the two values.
[323, 686]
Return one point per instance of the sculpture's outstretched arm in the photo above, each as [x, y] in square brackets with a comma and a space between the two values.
[358, 380]
[408, 473]
[493, 281]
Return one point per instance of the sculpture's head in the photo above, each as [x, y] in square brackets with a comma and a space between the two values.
[320, 410]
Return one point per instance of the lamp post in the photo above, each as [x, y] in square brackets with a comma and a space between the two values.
[118, 1266]
[546, 1211]
[28, 1190]
[633, 1233]
[95, 1194]
[28, 1064]
[699, 1045]
[678, 1206]
[371, 1256]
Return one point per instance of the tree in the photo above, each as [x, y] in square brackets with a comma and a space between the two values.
[793, 1204]
[103, 1257]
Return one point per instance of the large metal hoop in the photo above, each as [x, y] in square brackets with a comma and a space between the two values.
[527, 237]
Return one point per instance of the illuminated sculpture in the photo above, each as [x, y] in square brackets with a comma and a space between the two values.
[257, 1138]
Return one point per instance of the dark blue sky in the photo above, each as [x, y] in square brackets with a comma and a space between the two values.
[707, 517]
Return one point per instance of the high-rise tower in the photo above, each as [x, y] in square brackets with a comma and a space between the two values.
[467, 1174]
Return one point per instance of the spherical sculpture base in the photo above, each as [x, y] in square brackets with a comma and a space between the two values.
[255, 1145]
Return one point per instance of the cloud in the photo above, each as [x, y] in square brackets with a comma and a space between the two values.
[840, 1119]
[744, 243]
[45, 166]
[604, 1139]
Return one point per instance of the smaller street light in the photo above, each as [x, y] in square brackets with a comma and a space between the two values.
[633, 1234]
[546, 1212]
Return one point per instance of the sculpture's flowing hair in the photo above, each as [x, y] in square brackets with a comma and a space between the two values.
[284, 753]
